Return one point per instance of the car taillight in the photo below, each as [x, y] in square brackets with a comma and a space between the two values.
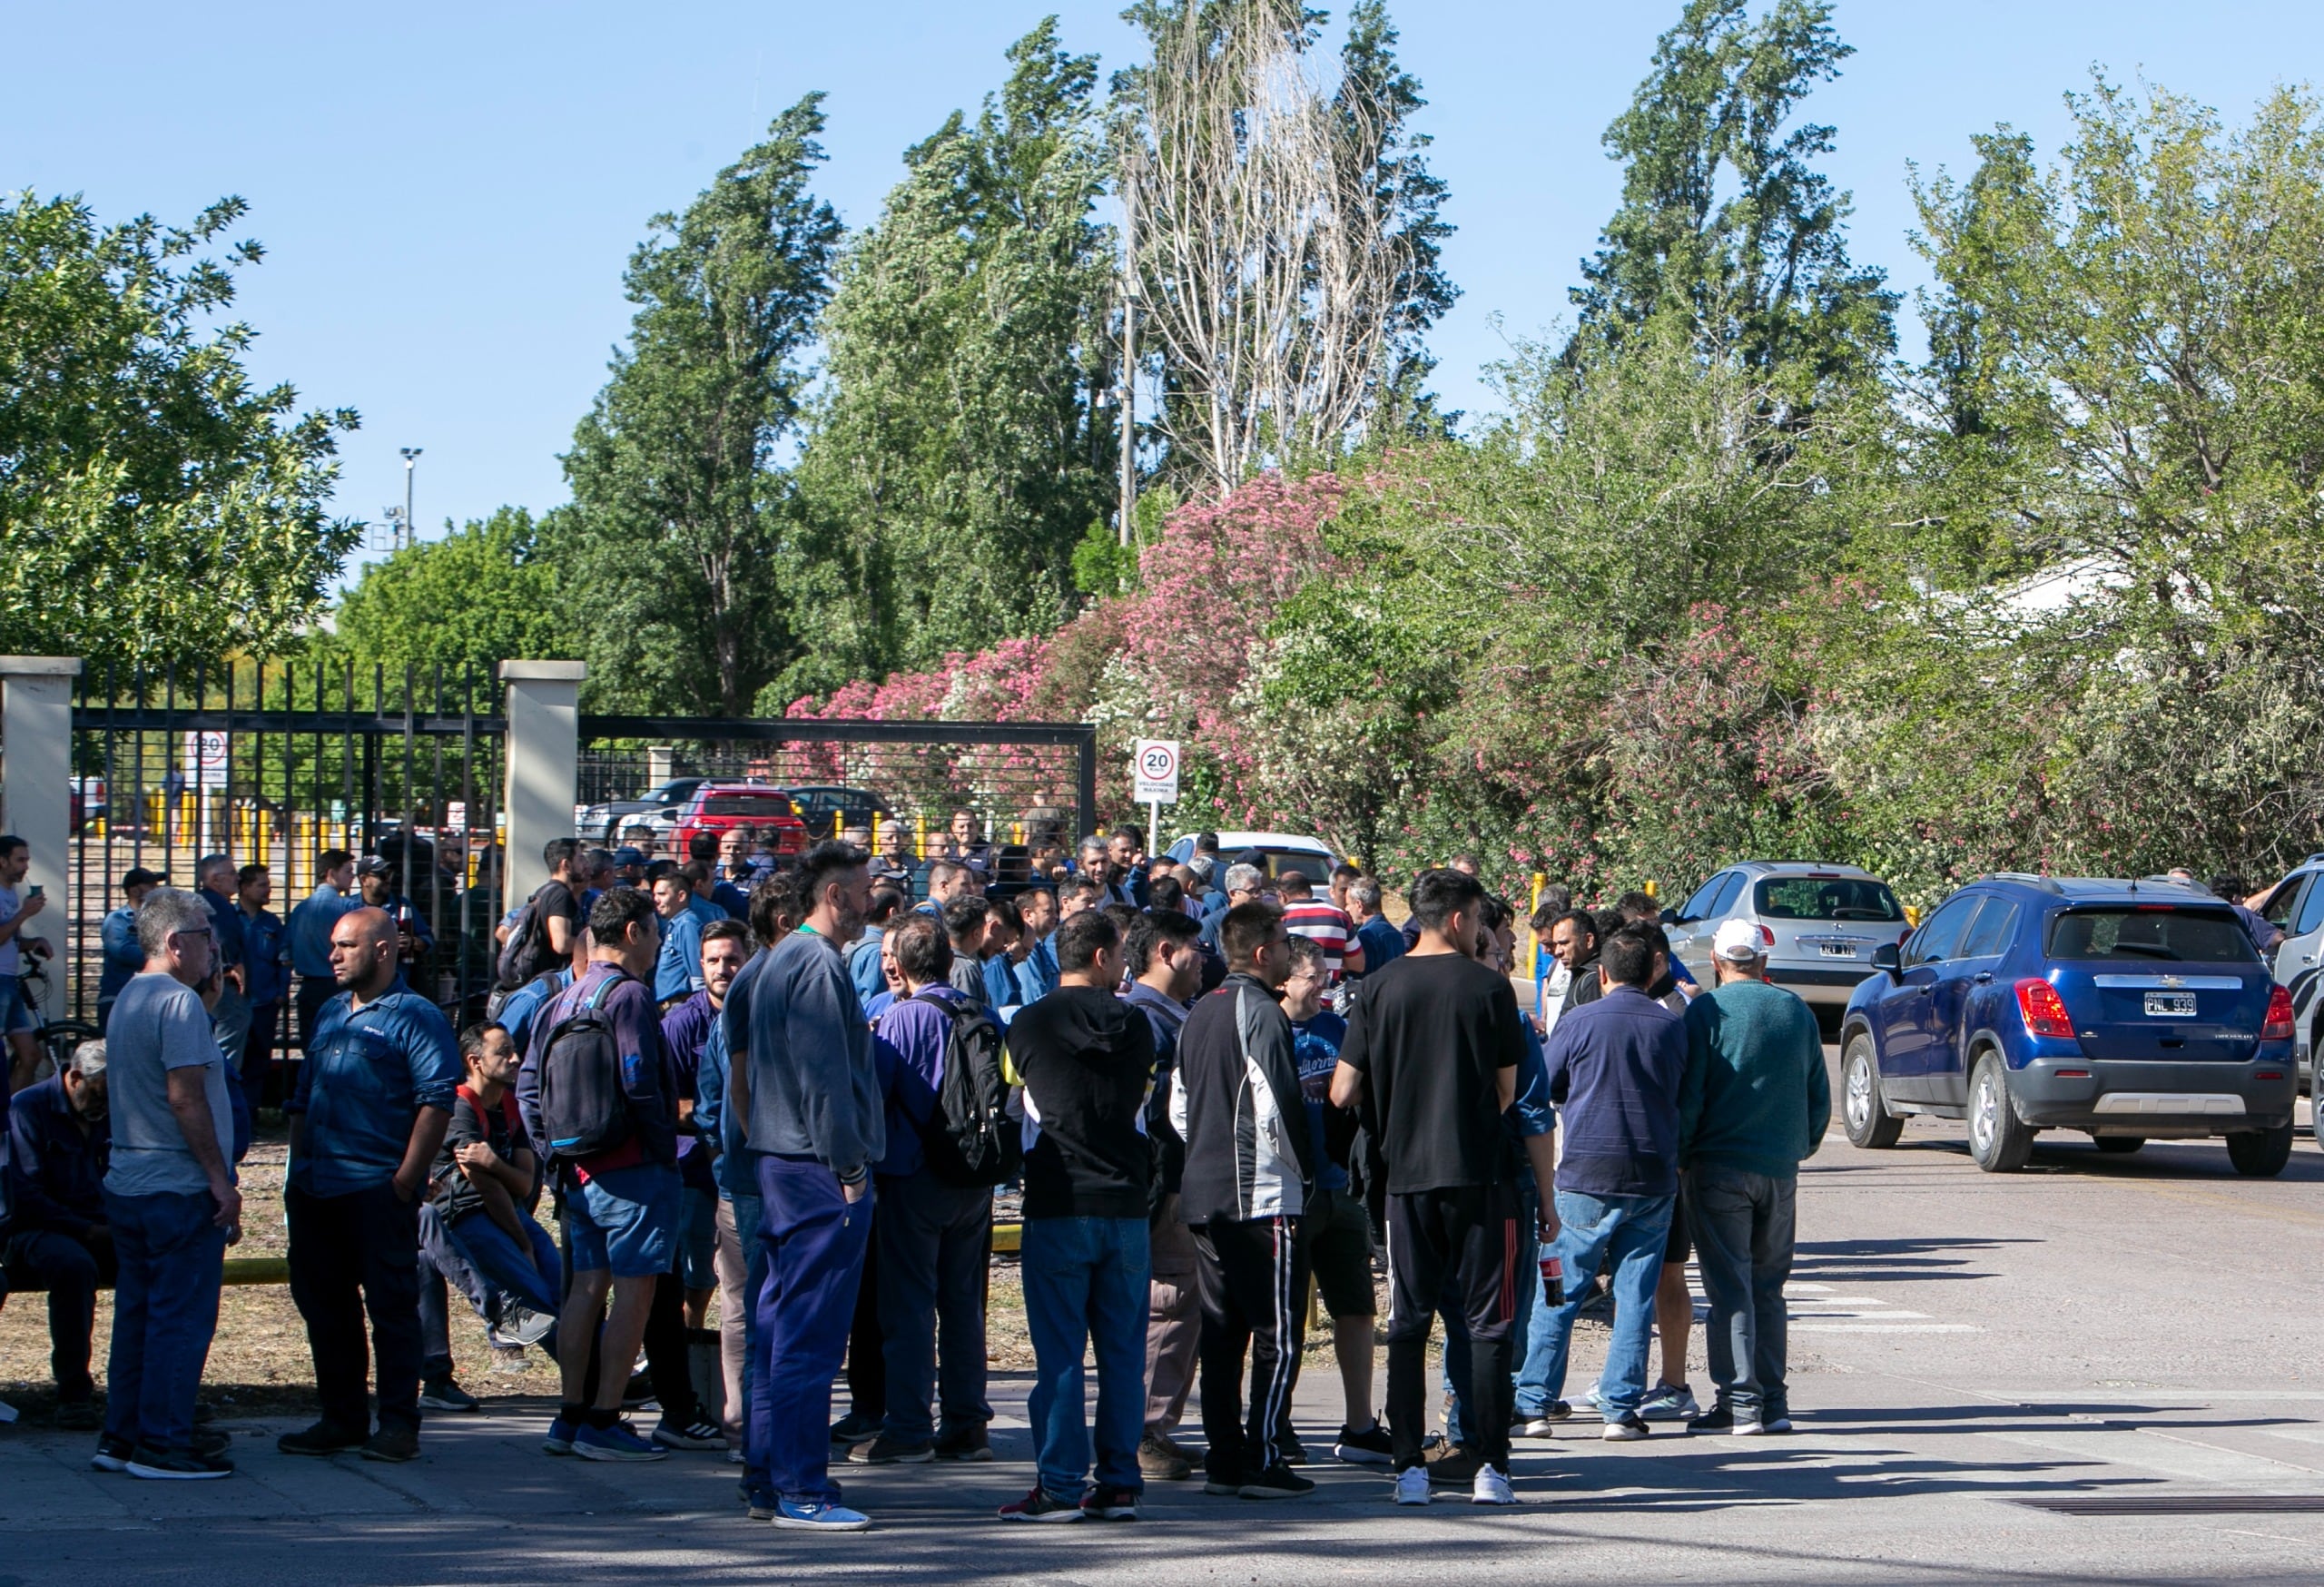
[2045, 1013]
[2277, 1027]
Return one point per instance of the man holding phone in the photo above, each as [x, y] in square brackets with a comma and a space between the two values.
[16, 1017]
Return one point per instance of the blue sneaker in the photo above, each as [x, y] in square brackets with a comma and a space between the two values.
[618, 1442]
[558, 1440]
[817, 1515]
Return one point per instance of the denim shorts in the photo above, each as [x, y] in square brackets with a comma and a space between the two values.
[15, 1015]
[626, 1221]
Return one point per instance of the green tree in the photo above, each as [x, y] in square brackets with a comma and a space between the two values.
[961, 451]
[691, 580]
[154, 507]
[1725, 224]
[480, 595]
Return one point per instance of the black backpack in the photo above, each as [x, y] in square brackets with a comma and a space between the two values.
[585, 1110]
[969, 1137]
[527, 953]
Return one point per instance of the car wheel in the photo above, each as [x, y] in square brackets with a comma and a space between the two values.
[2261, 1154]
[1862, 1113]
[1999, 1139]
[2120, 1145]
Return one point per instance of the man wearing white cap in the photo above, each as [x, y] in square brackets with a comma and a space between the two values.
[1755, 1101]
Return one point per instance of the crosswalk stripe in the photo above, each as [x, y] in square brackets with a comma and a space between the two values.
[2177, 1456]
[1882, 1328]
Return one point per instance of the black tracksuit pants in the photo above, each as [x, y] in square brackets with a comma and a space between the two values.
[1252, 1276]
[1458, 1242]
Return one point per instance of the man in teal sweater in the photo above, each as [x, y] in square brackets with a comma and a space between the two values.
[1754, 1102]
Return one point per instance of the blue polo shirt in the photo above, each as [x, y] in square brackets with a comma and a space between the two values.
[265, 944]
[678, 972]
[368, 1074]
[225, 927]
[123, 955]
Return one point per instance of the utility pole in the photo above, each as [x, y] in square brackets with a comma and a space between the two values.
[410, 530]
[1129, 345]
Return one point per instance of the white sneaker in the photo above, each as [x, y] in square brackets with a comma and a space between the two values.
[1669, 1403]
[1492, 1488]
[1412, 1486]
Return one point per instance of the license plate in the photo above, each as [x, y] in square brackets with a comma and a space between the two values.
[1836, 950]
[2170, 1005]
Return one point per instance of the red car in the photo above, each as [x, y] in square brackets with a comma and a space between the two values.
[719, 807]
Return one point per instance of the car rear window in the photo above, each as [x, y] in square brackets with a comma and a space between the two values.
[754, 804]
[2151, 934]
[1824, 897]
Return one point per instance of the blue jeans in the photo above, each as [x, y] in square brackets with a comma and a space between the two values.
[1086, 1285]
[1528, 1278]
[813, 1240]
[164, 1313]
[484, 1264]
[1627, 1233]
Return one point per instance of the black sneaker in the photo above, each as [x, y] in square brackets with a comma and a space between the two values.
[886, 1451]
[1105, 1504]
[441, 1394]
[321, 1439]
[177, 1465]
[1277, 1482]
[1287, 1445]
[971, 1443]
[1041, 1505]
[1456, 1468]
[1627, 1428]
[1373, 1447]
[1223, 1487]
[113, 1454]
[852, 1430]
[79, 1417]
[394, 1444]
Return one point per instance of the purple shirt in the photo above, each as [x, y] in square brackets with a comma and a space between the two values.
[908, 1041]
[684, 1029]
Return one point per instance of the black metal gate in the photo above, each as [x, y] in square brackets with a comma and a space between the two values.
[275, 765]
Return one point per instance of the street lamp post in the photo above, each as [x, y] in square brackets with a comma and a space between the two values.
[409, 528]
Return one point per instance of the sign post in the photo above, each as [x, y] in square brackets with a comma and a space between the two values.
[1154, 782]
[205, 762]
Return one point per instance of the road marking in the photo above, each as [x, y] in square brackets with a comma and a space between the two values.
[1884, 1327]
[2181, 1457]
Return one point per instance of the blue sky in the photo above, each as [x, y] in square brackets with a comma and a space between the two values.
[447, 194]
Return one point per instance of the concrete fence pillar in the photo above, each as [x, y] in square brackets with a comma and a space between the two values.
[543, 765]
[36, 788]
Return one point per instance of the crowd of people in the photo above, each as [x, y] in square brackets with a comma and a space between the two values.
[797, 1088]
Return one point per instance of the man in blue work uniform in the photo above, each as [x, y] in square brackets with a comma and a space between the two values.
[373, 1102]
[312, 921]
[266, 974]
[123, 956]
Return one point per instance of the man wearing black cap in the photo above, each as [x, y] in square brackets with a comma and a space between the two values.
[123, 957]
[375, 880]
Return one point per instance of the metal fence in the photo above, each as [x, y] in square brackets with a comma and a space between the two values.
[274, 764]
[1025, 782]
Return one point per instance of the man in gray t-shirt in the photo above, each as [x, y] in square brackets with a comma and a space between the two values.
[158, 1025]
[170, 1198]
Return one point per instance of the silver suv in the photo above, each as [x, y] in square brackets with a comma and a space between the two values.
[2297, 907]
[1826, 920]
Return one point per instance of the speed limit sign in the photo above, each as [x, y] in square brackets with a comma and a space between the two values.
[1154, 771]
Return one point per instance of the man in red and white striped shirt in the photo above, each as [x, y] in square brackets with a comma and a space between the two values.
[1322, 920]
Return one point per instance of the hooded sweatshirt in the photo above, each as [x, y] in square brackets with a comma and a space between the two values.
[1085, 1061]
[1234, 1097]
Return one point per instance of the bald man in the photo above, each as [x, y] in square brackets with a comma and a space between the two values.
[373, 1098]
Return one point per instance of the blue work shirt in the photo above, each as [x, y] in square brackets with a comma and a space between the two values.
[368, 1074]
[734, 900]
[265, 957]
[863, 963]
[56, 1163]
[1037, 977]
[678, 972]
[125, 957]
[685, 1030]
[225, 927]
[1000, 988]
[310, 927]
[733, 1169]
[1383, 944]
[518, 1009]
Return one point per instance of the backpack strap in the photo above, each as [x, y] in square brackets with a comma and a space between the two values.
[477, 1107]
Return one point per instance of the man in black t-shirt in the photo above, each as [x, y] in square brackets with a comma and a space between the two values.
[1085, 1059]
[477, 1229]
[558, 919]
[1431, 1058]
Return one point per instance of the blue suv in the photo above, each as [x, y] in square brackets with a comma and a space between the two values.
[2130, 1010]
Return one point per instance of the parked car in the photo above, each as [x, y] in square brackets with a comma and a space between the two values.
[2296, 905]
[827, 807]
[2128, 1010]
[1822, 923]
[1282, 852]
[718, 807]
[602, 822]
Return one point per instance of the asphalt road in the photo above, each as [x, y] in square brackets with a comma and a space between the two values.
[2140, 1331]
